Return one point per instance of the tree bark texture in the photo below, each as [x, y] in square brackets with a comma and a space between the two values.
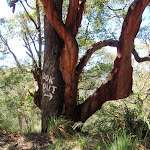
[53, 84]
[119, 84]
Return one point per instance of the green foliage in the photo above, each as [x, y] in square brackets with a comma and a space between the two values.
[16, 102]
[113, 127]
[92, 78]
[122, 142]
[60, 127]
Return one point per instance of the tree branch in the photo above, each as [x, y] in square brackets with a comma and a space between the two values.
[119, 84]
[39, 33]
[13, 54]
[139, 59]
[147, 94]
[70, 51]
[27, 31]
[29, 5]
[26, 40]
[91, 50]
[74, 17]
[29, 15]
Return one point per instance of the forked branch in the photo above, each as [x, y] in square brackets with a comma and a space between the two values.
[119, 84]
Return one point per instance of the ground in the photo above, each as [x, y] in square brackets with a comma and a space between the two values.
[17, 141]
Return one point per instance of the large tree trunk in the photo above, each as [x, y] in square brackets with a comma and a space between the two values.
[53, 84]
[119, 84]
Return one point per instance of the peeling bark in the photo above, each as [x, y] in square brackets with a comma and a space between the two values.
[119, 84]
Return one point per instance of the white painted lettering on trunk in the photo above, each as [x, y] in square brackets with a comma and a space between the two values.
[48, 87]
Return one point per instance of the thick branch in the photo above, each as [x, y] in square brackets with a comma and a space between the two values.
[69, 55]
[139, 59]
[119, 84]
[91, 50]
[74, 17]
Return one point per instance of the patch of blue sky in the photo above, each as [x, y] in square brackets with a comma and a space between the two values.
[15, 44]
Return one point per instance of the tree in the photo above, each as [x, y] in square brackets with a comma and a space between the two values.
[61, 69]
[119, 84]
[31, 33]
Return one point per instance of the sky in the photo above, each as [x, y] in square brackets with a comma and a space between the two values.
[17, 48]
[4, 9]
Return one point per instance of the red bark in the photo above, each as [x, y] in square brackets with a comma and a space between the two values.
[119, 84]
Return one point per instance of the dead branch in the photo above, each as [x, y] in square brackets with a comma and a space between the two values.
[139, 59]
[29, 15]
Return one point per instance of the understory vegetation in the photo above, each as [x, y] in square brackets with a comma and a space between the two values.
[119, 125]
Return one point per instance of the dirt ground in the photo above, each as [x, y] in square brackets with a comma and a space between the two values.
[17, 141]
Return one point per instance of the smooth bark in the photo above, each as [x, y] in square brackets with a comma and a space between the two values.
[119, 84]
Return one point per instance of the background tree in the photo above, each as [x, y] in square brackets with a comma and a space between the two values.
[31, 33]
[18, 110]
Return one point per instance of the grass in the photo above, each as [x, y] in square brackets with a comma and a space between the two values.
[115, 127]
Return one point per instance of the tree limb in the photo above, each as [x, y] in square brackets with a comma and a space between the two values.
[69, 57]
[13, 54]
[119, 84]
[27, 31]
[139, 59]
[39, 33]
[29, 5]
[29, 15]
[74, 17]
[91, 50]
[26, 40]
